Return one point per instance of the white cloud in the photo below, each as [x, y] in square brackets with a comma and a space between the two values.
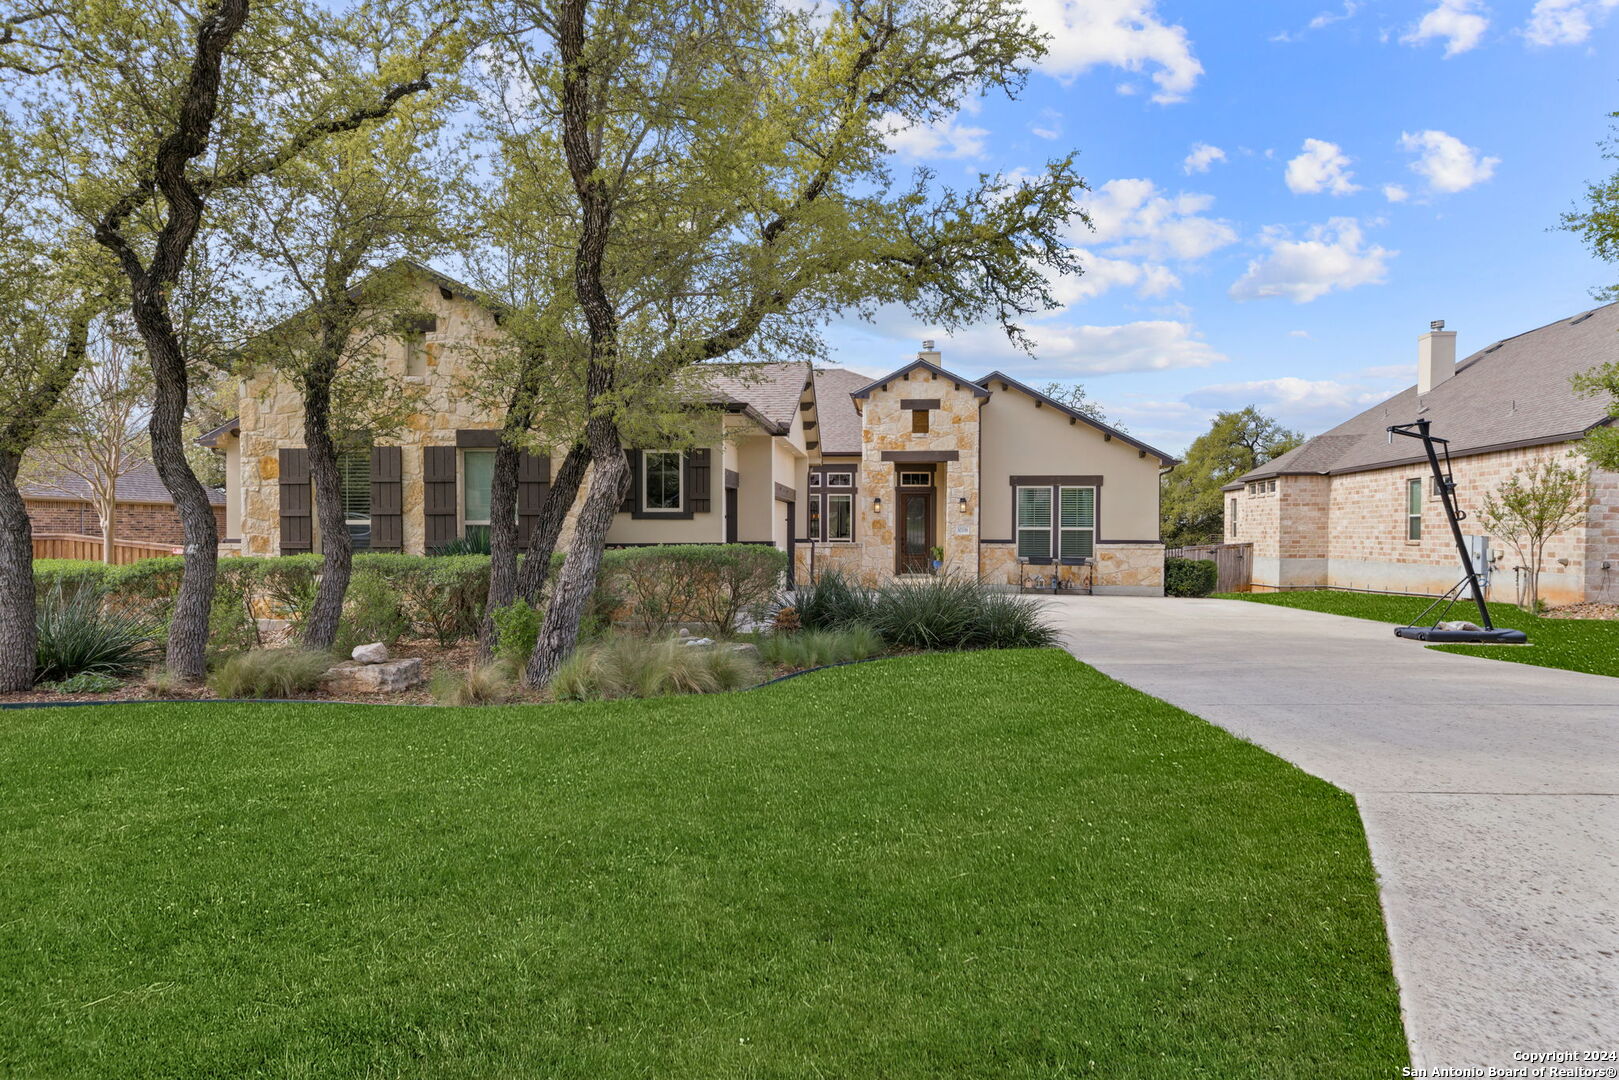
[1322, 167]
[1460, 22]
[1157, 345]
[1565, 22]
[1134, 218]
[1201, 158]
[1050, 125]
[943, 138]
[1125, 34]
[1395, 193]
[1331, 257]
[1295, 399]
[1322, 20]
[1448, 164]
[1102, 273]
[1298, 333]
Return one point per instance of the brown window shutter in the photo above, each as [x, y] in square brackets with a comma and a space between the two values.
[699, 479]
[630, 504]
[438, 495]
[533, 484]
[297, 523]
[387, 499]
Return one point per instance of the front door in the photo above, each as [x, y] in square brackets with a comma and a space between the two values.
[915, 532]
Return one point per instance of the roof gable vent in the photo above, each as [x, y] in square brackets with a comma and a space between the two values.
[1578, 319]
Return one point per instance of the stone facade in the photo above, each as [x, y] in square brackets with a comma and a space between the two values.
[152, 523]
[1350, 531]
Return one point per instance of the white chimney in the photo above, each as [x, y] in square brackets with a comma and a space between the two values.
[1436, 356]
[929, 353]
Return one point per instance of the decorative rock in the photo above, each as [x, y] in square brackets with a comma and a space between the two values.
[387, 677]
[374, 653]
[745, 648]
[698, 641]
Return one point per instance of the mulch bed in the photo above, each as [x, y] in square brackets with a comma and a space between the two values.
[1589, 610]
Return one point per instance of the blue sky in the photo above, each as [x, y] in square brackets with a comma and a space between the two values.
[1370, 166]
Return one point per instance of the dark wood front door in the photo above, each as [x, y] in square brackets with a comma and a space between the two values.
[915, 532]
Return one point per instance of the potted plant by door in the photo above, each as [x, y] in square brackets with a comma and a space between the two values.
[936, 553]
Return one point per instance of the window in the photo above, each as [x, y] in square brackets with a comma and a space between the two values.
[1034, 523]
[477, 486]
[1270, 485]
[660, 480]
[354, 481]
[1413, 509]
[413, 331]
[815, 479]
[915, 479]
[1076, 525]
[814, 522]
[1231, 518]
[840, 479]
[919, 421]
[840, 517]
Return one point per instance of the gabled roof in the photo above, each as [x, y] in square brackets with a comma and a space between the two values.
[211, 439]
[1516, 392]
[140, 485]
[769, 393]
[935, 369]
[1084, 418]
[835, 412]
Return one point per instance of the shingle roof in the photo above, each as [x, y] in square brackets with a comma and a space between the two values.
[770, 390]
[141, 485]
[835, 411]
[1516, 392]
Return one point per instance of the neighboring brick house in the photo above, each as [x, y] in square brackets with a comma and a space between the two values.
[842, 471]
[61, 505]
[1353, 509]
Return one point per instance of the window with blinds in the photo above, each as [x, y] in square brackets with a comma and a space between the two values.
[1076, 525]
[354, 481]
[1034, 523]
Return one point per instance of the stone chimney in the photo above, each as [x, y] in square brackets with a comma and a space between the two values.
[929, 353]
[1436, 356]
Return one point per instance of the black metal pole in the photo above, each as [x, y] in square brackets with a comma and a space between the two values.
[1447, 496]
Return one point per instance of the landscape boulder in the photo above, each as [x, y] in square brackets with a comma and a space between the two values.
[374, 653]
[389, 676]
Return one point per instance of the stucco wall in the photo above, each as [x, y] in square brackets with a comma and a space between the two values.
[1021, 439]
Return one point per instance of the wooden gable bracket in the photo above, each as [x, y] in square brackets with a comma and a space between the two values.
[1141, 453]
[1107, 436]
[1072, 421]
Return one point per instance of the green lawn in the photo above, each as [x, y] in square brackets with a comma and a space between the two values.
[1573, 644]
[980, 865]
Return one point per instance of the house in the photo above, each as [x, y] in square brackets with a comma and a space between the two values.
[847, 472]
[61, 504]
[1356, 508]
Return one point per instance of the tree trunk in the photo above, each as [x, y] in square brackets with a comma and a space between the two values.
[109, 524]
[188, 629]
[17, 635]
[577, 580]
[337, 547]
[502, 541]
[542, 546]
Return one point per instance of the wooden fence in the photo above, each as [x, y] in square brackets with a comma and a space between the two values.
[78, 546]
[1234, 562]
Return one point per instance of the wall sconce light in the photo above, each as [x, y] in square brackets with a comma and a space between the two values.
[962, 502]
[877, 504]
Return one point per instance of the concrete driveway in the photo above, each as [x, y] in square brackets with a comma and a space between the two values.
[1490, 793]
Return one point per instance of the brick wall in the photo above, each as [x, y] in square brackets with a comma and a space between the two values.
[155, 523]
[1349, 531]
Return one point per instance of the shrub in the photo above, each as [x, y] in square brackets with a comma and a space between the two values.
[78, 632]
[371, 612]
[818, 648]
[833, 602]
[946, 612]
[270, 673]
[517, 630]
[287, 584]
[734, 583]
[475, 542]
[71, 575]
[1189, 577]
[490, 684]
[628, 666]
[85, 682]
[442, 596]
